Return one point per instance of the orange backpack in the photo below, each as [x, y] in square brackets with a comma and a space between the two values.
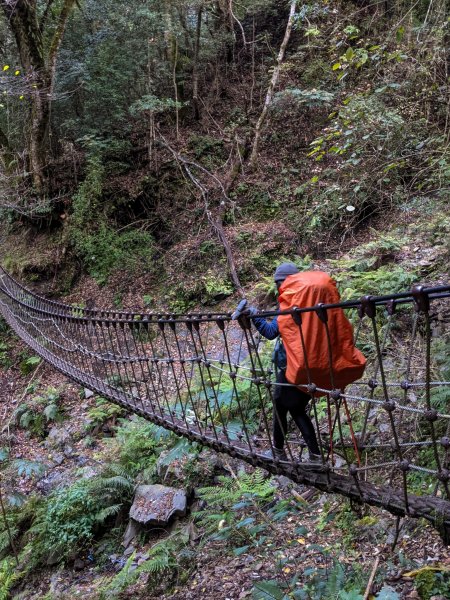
[347, 362]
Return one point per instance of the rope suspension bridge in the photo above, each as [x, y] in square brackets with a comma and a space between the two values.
[384, 441]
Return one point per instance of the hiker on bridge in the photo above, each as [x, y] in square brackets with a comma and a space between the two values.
[316, 353]
[286, 398]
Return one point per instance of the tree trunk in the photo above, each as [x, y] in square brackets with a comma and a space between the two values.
[226, 23]
[21, 16]
[195, 103]
[54, 49]
[6, 153]
[22, 19]
[272, 85]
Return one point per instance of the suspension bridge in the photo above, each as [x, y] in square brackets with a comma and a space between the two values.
[384, 440]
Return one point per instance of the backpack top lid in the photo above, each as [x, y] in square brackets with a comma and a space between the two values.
[312, 287]
[331, 365]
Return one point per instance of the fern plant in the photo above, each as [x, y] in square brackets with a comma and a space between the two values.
[226, 501]
[336, 583]
[120, 582]
[231, 490]
[161, 566]
[37, 414]
[8, 578]
[161, 559]
[71, 516]
[112, 489]
[103, 414]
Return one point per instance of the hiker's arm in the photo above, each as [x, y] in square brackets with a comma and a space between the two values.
[268, 329]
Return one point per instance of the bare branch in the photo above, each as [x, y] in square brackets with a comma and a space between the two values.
[214, 220]
[238, 22]
[273, 83]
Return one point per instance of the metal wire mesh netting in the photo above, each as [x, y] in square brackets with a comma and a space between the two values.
[383, 441]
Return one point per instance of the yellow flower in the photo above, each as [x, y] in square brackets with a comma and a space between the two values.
[21, 97]
[17, 72]
[6, 67]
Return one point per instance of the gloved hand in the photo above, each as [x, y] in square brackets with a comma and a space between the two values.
[240, 309]
[244, 309]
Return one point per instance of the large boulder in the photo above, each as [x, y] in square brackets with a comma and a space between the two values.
[155, 505]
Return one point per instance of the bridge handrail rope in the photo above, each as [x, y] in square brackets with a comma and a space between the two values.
[384, 440]
[73, 311]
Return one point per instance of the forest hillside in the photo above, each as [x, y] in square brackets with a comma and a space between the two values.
[166, 156]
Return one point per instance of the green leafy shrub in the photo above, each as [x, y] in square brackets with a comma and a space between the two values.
[29, 364]
[101, 247]
[106, 250]
[70, 517]
[208, 289]
[207, 148]
[215, 288]
[432, 582]
[295, 98]
[224, 519]
[8, 578]
[103, 415]
[335, 583]
[355, 283]
[65, 524]
[168, 561]
[139, 444]
[5, 361]
[38, 414]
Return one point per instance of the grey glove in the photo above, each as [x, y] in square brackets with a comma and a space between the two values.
[244, 309]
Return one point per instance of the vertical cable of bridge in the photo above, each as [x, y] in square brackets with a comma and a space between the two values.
[370, 309]
[171, 367]
[103, 351]
[119, 365]
[422, 306]
[233, 376]
[205, 367]
[142, 330]
[161, 383]
[373, 380]
[260, 379]
[245, 324]
[202, 359]
[134, 362]
[80, 356]
[183, 375]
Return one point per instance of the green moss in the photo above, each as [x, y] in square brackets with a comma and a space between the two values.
[432, 583]
[102, 248]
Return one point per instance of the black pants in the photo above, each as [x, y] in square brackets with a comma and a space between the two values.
[289, 399]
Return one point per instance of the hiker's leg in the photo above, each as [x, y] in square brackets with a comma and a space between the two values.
[303, 421]
[279, 412]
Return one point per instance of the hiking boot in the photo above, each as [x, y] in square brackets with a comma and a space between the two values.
[313, 458]
[277, 454]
